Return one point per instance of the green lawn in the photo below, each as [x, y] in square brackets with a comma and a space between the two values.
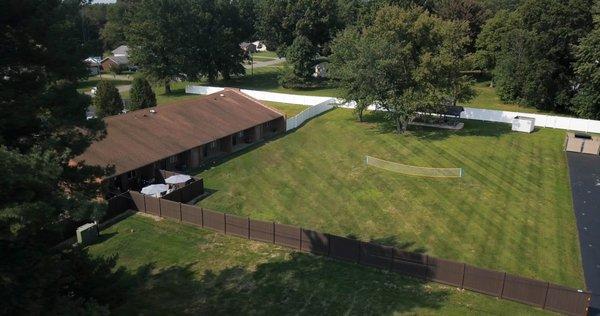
[488, 99]
[177, 269]
[270, 55]
[511, 211]
[87, 85]
[288, 109]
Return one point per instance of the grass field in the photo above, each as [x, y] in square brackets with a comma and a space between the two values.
[487, 98]
[511, 211]
[87, 85]
[176, 269]
[288, 109]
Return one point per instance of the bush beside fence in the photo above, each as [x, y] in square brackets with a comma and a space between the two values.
[499, 284]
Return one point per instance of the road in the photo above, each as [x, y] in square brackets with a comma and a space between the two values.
[260, 64]
[584, 171]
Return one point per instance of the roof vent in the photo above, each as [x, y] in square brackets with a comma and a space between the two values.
[153, 111]
[222, 95]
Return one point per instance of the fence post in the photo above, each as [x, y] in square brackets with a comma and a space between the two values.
[301, 230]
[180, 213]
[224, 224]
[503, 282]
[159, 207]
[202, 216]
[248, 220]
[462, 283]
[546, 295]
[144, 198]
[273, 232]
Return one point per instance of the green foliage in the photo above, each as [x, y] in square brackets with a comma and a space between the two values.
[107, 99]
[406, 62]
[184, 38]
[471, 11]
[301, 56]
[141, 94]
[531, 50]
[586, 103]
[118, 18]
[282, 21]
[44, 193]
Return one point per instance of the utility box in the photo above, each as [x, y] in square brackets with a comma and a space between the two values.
[523, 124]
[87, 234]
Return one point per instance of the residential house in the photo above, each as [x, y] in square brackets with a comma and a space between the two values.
[248, 48]
[93, 65]
[122, 50]
[111, 62]
[260, 46]
[180, 136]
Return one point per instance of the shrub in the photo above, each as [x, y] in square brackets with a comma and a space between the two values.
[107, 100]
[141, 94]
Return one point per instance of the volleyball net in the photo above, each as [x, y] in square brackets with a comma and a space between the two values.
[414, 171]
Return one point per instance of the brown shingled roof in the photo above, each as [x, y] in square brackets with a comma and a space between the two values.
[139, 138]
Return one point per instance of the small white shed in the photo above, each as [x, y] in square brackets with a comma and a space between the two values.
[523, 124]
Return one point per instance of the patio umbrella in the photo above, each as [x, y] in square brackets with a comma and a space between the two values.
[155, 189]
[180, 178]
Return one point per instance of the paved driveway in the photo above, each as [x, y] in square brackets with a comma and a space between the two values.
[260, 64]
[584, 171]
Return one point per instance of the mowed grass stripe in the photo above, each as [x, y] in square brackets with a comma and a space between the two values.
[511, 210]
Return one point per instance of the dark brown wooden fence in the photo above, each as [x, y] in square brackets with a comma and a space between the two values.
[499, 284]
[188, 192]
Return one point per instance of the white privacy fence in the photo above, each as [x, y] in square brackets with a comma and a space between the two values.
[541, 120]
[263, 95]
[202, 90]
[294, 122]
[285, 98]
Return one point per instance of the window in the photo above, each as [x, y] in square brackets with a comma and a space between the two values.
[213, 145]
[173, 159]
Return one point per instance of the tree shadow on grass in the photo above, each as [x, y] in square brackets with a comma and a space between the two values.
[301, 284]
[394, 241]
[381, 125]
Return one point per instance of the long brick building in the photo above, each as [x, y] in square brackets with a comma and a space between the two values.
[180, 136]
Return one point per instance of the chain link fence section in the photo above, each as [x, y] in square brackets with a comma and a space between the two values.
[414, 171]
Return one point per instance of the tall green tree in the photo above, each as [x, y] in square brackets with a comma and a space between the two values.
[107, 100]
[533, 61]
[586, 103]
[118, 18]
[43, 193]
[395, 62]
[186, 39]
[141, 94]
[301, 56]
[282, 21]
[471, 11]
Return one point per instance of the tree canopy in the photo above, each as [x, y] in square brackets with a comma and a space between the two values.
[586, 103]
[403, 62]
[186, 39]
[43, 192]
[282, 21]
[107, 100]
[531, 51]
[141, 94]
